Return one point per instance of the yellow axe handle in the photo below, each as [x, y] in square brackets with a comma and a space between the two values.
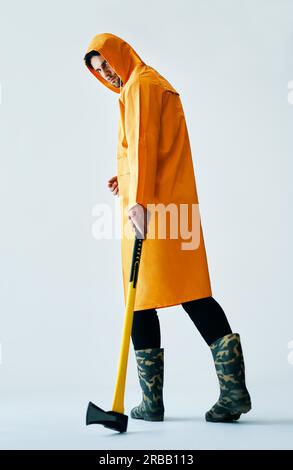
[118, 401]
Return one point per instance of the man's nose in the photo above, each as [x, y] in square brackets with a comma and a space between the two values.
[108, 72]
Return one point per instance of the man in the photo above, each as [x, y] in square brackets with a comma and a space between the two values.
[155, 171]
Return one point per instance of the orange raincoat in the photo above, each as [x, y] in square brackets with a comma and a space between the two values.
[154, 166]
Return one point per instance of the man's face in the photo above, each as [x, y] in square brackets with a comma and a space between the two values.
[103, 68]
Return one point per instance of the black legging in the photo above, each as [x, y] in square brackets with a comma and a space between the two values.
[207, 315]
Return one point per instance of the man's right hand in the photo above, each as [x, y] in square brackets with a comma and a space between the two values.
[113, 185]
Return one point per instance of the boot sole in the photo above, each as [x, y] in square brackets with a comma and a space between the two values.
[148, 417]
[227, 418]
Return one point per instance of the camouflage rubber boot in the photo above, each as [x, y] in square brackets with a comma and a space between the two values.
[234, 397]
[150, 367]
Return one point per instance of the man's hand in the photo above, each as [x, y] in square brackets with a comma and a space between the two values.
[139, 219]
[113, 185]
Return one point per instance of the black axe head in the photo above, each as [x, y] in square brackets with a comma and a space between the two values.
[109, 419]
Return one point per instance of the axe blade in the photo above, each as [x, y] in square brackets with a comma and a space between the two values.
[109, 419]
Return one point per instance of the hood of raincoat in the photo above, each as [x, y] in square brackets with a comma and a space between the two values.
[119, 55]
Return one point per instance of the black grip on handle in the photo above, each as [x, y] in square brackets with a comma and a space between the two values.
[136, 254]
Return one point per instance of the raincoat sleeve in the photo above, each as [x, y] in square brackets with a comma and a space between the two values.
[143, 104]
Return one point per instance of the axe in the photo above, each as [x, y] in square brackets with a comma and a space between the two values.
[116, 419]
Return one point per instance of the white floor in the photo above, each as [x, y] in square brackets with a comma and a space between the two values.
[50, 422]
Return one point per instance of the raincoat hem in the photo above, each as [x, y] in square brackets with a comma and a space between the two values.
[178, 302]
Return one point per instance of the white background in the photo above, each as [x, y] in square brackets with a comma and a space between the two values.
[61, 289]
